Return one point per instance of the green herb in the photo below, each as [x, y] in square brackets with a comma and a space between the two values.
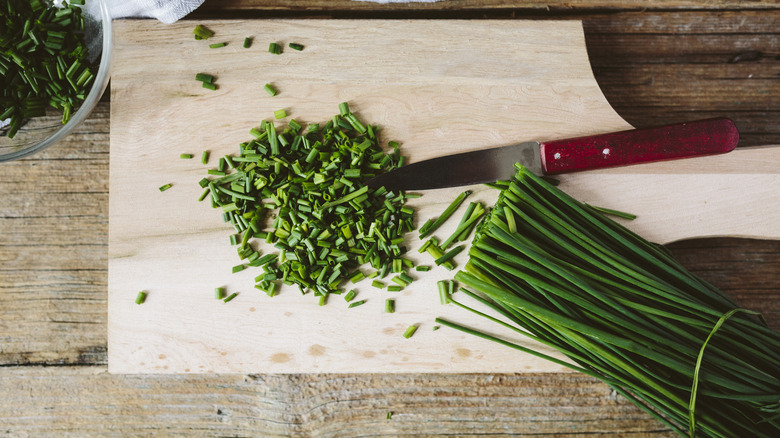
[247, 42]
[209, 86]
[202, 33]
[204, 157]
[449, 255]
[444, 296]
[185, 156]
[296, 46]
[422, 268]
[426, 229]
[356, 303]
[389, 415]
[204, 77]
[389, 305]
[395, 288]
[219, 293]
[280, 114]
[621, 309]
[378, 284]
[140, 298]
[410, 331]
[275, 48]
[44, 61]
[165, 187]
[615, 213]
[270, 90]
[238, 268]
[302, 191]
[230, 297]
[217, 45]
[350, 295]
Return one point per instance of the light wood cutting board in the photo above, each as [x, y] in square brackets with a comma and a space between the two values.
[437, 87]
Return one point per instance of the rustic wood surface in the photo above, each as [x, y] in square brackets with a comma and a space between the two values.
[653, 66]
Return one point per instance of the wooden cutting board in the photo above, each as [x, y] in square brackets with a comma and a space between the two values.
[438, 87]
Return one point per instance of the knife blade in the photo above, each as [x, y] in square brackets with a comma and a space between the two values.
[691, 139]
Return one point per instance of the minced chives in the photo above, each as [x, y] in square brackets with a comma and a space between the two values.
[389, 305]
[165, 187]
[217, 45]
[141, 297]
[323, 299]
[280, 114]
[219, 293]
[209, 86]
[296, 46]
[378, 284]
[275, 48]
[350, 295]
[202, 33]
[410, 331]
[270, 89]
[230, 297]
[204, 157]
[422, 268]
[425, 231]
[444, 293]
[185, 156]
[356, 303]
[395, 288]
[238, 268]
[247, 42]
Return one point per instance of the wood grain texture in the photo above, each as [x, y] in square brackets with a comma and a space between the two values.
[43, 398]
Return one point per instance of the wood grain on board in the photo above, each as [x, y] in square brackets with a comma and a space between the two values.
[461, 92]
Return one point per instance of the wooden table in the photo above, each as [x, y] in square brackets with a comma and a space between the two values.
[685, 60]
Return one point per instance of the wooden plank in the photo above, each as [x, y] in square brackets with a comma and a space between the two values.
[85, 401]
[210, 6]
[179, 255]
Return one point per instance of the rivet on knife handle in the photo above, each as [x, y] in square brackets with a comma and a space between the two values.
[705, 137]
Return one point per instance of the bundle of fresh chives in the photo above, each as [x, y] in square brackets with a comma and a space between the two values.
[43, 60]
[326, 223]
[624, 310]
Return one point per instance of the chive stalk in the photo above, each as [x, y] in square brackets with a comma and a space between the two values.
[141, 297]
[410, 331]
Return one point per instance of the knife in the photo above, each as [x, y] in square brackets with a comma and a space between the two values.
[703, 137]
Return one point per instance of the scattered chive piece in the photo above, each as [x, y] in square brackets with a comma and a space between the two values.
[444, 297]
[323, 299]
[296, 46]
[238, 268]
[378, 284]
[217, 45]
[356, 303]
[201, 32]
[280, 114]
[350, 295]
[165, 187]
[270, 89]
[422, 268]
[247, 42]
[204, 157]
[209, 86]
[410, 331]
[140, 298]
[275, 48]
[449, 255]
[395, 288]
[425, 231]
[219, 293]
[436, 327]
[204, 77]
[185, 156]
[389, 305]
[230, 297]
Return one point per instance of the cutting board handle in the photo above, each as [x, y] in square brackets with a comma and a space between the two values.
[704, 137]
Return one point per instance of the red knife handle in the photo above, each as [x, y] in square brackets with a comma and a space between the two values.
[704, 137]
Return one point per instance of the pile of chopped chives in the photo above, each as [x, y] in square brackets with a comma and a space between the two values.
[622, 309]
[301, 189]
[43, 60]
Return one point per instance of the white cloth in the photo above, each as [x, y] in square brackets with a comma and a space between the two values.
[167, 11]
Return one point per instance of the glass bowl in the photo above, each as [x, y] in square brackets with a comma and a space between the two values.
[41, 132]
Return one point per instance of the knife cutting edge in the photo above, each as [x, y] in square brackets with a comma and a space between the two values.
[703, 137]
